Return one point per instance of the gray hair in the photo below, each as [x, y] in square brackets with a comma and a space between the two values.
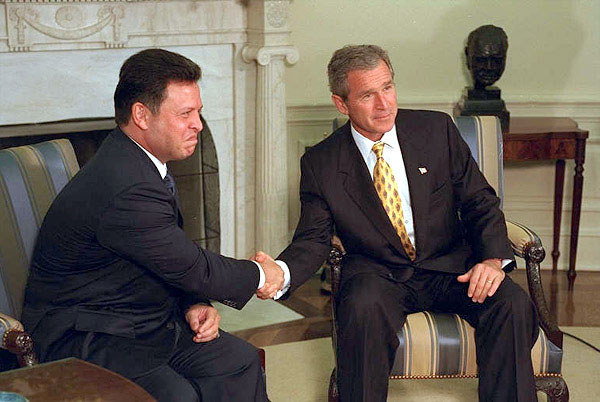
[353, 57]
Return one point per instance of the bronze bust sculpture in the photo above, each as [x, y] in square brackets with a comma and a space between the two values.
[486, 58]
[486, 54]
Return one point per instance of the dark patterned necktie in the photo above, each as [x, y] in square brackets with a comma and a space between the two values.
[170, 183]
[387, 189]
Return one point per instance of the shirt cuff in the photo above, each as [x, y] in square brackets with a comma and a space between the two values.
[286, 279]
[506, 264]
[261, 274]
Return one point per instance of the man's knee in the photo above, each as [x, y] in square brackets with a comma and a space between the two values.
[514, 301]
[369, 303]
[246, 355]
[166, 385]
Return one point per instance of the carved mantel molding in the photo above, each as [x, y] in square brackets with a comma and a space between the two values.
[41, 25]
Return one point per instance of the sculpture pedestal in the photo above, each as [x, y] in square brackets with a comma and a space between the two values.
[486, 102]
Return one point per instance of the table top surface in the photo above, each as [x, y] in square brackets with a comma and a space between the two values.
[71, 380]
[557, 126]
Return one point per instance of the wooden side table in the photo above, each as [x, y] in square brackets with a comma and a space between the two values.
[71, 380]
[552, 138]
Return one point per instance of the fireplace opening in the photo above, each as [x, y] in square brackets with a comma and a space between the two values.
[197, 177]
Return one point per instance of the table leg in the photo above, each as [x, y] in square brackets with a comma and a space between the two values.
[559, 182]
[576, 210]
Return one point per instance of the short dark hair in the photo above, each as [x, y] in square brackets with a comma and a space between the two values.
[353, 57]
[144, 78]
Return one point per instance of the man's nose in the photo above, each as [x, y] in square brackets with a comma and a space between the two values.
[380, 101]
[197, 123]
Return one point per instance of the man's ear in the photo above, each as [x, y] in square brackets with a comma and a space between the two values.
[339, 104]
[139, 115]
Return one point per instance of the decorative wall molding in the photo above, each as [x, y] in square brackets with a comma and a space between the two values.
[105, 24]
[72, 22]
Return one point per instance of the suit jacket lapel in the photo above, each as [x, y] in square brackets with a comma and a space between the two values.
[416, 158]
[137, 152]
[359, 187]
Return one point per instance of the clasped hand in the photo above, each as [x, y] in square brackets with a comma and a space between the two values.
[204, 322]
[273, 275]
[484, 279]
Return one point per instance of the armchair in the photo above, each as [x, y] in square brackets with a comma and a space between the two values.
[30, 178]
[426, 334]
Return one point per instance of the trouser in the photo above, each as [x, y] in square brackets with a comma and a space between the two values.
[224, 369]
[372, 307]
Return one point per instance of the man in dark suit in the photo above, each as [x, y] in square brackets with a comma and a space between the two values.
[422, 230]
[114, 278]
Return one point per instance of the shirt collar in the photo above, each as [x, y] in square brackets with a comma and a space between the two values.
[365, 145]
[162, 167]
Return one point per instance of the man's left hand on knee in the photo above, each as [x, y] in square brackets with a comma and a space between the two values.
[484, 279]
[204, 322]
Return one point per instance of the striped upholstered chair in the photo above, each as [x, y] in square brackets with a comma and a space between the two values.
[435, 345]
[30, 178]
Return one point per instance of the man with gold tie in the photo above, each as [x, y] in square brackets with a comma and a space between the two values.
[422, 229]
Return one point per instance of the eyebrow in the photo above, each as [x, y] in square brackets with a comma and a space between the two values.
[361, 94]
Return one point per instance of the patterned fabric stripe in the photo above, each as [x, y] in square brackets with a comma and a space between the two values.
[37, 181]
[56, 156]
[520, 236]
[490, 148]
[420, 346]
[448, 344]
[17, 215]
[434, 346]
[449, 350]
[467, 126]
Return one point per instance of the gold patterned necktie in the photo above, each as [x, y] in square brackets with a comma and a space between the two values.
[387, 189]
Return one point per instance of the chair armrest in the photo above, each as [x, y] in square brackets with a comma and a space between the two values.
[527, 245]
[335, 262]
[17, 341]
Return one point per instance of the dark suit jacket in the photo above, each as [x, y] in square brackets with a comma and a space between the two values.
[456, 213]
[113, 270]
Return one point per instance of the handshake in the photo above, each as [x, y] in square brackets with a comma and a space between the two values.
[274, 276]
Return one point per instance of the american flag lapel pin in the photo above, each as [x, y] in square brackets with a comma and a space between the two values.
[423, 170]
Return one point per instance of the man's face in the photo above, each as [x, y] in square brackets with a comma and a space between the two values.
[486, 62]
[371, 102]
[173, 130]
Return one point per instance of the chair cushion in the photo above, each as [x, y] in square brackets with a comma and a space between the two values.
[438, 345]
[30, 178]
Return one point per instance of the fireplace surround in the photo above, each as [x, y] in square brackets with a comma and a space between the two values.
[59, 60]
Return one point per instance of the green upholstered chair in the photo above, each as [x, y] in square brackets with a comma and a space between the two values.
[30, 178]
[435, 345]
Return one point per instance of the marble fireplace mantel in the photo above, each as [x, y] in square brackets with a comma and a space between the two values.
[59, 59]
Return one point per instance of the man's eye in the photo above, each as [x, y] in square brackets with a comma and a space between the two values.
[185, 114]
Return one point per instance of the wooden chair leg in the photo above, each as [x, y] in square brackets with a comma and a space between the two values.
[333, 391]
[554, 387]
